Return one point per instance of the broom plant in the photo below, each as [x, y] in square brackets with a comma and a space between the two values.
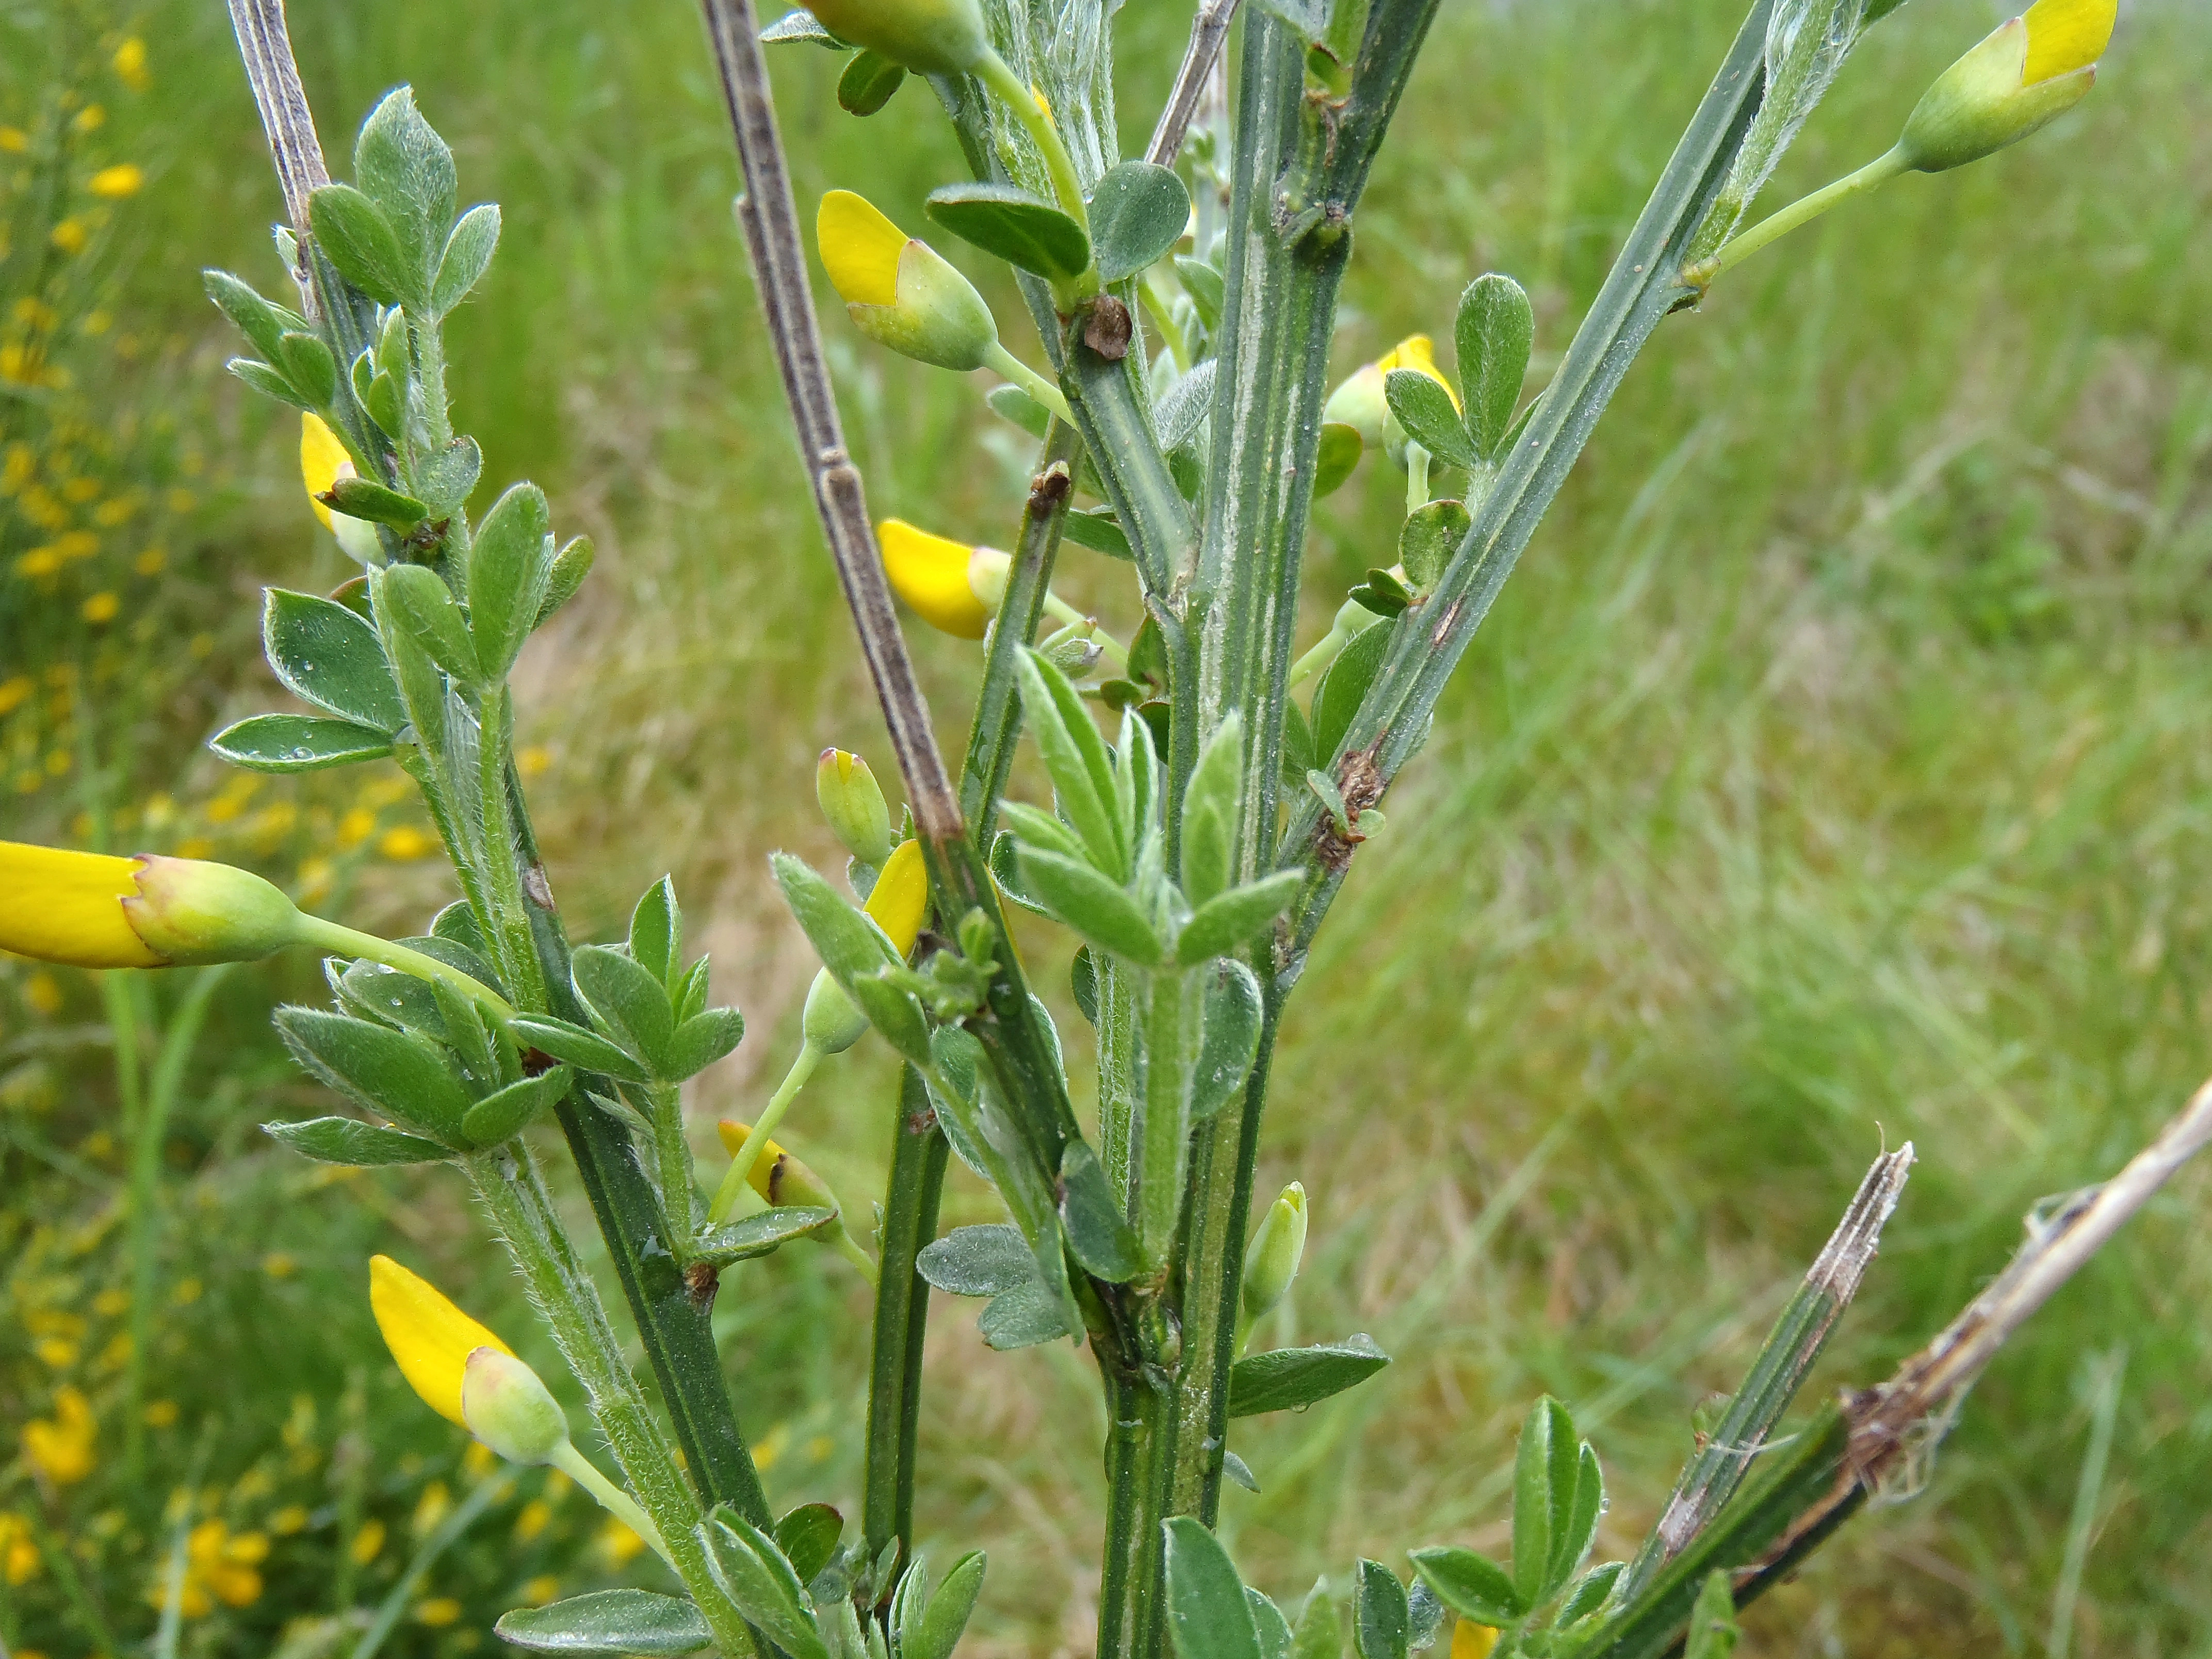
[1205, 808]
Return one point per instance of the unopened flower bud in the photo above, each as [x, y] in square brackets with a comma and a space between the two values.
[430, 1339]
[2022, 77]
[1362, 403]
[323, 462]
[506, 1404]
[1272, 1263]
[930, 37]
[847, 792]
[899, 292]
[91, 910]
[831, 1023]
[777, 1176]
[953, 586]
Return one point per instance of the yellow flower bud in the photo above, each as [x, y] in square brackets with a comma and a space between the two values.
[91, 910]
[507, 1407]
[323, 462]
[953, 586]
[847, 791]
[1418, 352]
[1360, 402]
[930, 37]
[430, 1339]
[1472, 1641]
[777, 1176]
[2022, 77]
[898, 291]
[901, 896]
[1278, 1247]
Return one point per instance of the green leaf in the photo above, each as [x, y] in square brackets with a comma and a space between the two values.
[1075, 756]
[895, 1011]
[1589, 1594]
[587, 1050]
[1298, 745]
[762, 1233]
[1578, 1523]
[799, 24]
[752, 1571]
[421, 603]
[1096, 908]
[1495, 332]
[848, 942]
[949, 1609]
[297, 743]
[1289, 1377]
[617, 1621]
[1382, 594]
[1210, 806]
[1139, 211]
[467, 256]
[1208, 1617]
[703, 1039]
[504, 1113]
[1206, 287]
[1471, 1585]
[1267, 1618]
[308, 365]
[508, 568]
[1425, 409]
[570, 566]
[1713, 1631]
[347, 1140]
[358, 239]
[1100, 531]
[1425, 1616]
[1229, 1040]
[406, 168]
[808, 1537]
[1545, 1470]
[868, 84]
[445, 477]
[1010, 403]
[262, 323]
[628, 1004]
[1431, 535]
[656, 931]
[388, 997]
[1337, 456]
[386, 404]
[980, 1260]
[1379, 1614]
[1024, 1317]
[329, 657]
[1182, 411]
[1023, 230]
[364, 498]
[1091, 1216]
[1082, 983]
[269, 382]
[1317, 1634]
[1343, 683]
[1224, 925]
[1031, 826]
[397, 1074]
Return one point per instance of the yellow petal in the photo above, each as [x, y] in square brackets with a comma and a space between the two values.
[61, 906]
[323, 461]
[930, 572]
[762, 1179]
[901, 895]
[428, 1336]
[859, 248]
[1472, 1641]
[1420, 352]
[2066, 36]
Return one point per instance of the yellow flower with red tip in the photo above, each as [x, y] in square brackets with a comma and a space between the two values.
[953, 587]
[2024, 75]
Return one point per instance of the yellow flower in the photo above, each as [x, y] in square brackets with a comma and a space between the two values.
[405, 843]
[532, 1519]
[45, 995]
[101, 608]
[898, 291]
[161, 1413]
[125, 179]
[292, 1518]
[91, 910]
[323, 461]
[541, 1589]
[130, 61]
[1472, 1641]
[901, 896]
[438, 1611]
[218, 1566]
[930, 37]
[1418, 351]
[150, 562]
[13, 141]
[60, 1447]
[430, 1337]
[853, 803]
[367, 1543]
[2023, 75]
[13, 691]
[90, 119]
[619, 1540]
[56, 1350]
[776, 1176]
[19, 1554]
[70, 236]
[953, 587]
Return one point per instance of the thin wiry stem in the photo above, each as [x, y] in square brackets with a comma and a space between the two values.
[770, 222]
[1207, 32]
[265, 47]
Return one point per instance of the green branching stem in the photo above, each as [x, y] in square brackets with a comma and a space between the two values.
[339, 940]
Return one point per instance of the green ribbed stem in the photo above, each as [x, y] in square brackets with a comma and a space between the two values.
[1875, 175]
[613, 1498]
[1014, 368]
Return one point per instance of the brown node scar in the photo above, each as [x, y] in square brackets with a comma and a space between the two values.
[535, 1062]
[1106, 327]
[700, 1281]
[1048, 489]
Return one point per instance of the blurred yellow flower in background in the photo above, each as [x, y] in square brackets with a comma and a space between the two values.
[19, 1552]
[219, 1566]
[60, 1447]
[130, 63]
[125, 179]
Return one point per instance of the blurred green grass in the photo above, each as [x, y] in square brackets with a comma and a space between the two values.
[1832, 773]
